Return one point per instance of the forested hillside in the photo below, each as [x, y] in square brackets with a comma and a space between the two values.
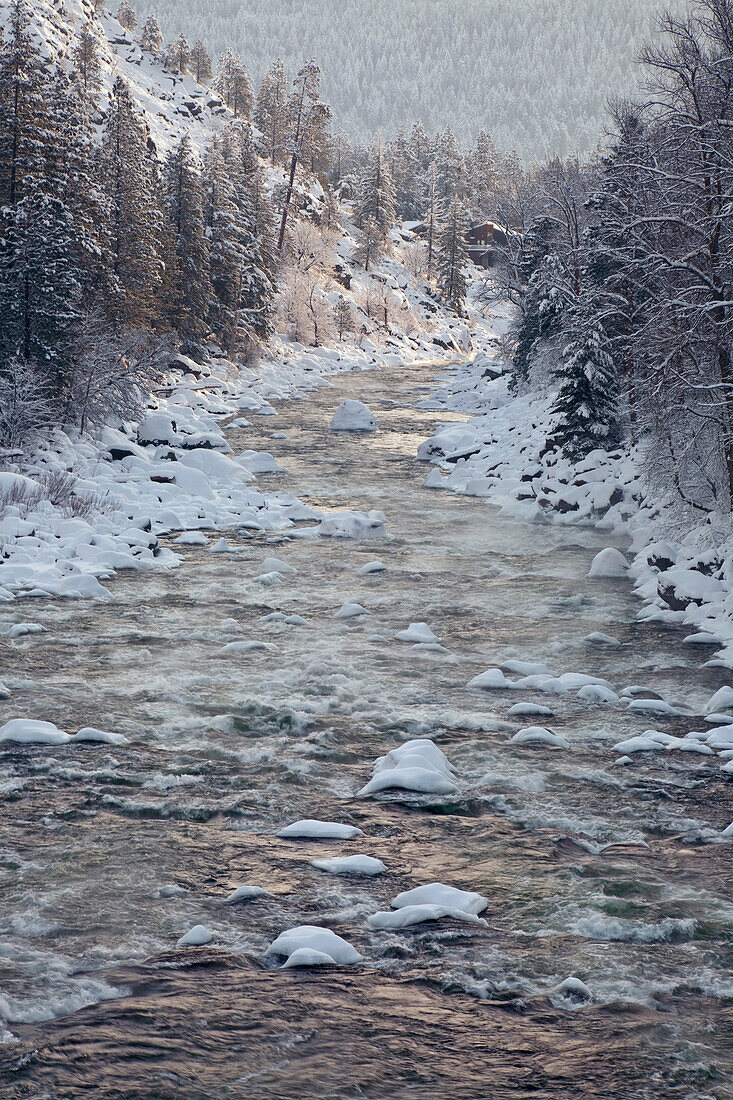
[537, 75]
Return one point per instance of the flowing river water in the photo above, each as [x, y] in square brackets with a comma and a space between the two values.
[109, 853]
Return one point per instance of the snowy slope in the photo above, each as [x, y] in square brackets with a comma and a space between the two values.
[173, 104]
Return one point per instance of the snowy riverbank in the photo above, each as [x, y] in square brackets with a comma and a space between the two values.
[505, 455]
[79, 508]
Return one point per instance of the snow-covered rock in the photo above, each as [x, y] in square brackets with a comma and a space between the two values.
[246, 893]
[372, 567]
[197, 936]
[350, 611]
[437, 893]
[307, 937]
[353, 416]
[309, 829]
[418, 765]
[610, 563]
[417, 633]
[350, 865]
[29, 731]
[538, 735]
[102, 737]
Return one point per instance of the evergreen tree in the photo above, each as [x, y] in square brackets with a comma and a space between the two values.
[305, 115]
[184, 207]
[178, 55]
[233, 85]
[225, 231]
[450, 167]
[452, 258]
[87, 63]
[134, 211]
[269, 110]
[126, 16]
[200, 63]
[24, 134]
[151, 37]
[343, 317]
[375, 207]
[586, 403]
[39, 287]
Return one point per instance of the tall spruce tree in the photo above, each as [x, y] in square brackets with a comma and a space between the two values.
[586, 404]
[200, 63]
[87, 63]
[269, 110]
[134, 211]
[452, 258]
[24, 134]
[184, 207]
[151, 37]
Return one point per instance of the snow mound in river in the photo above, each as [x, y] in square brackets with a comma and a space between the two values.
[353, 416]
[27, 731]
[309, 829]
[353, 525]
[609, 563]
[318, 946]
[417, 765]
[350, 865]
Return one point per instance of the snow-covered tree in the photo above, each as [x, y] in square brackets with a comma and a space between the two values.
[233, 84]
[126, 16]
[24, 132]
[586, 406]
[134, 211]
[306, 116]
[87, 63]
[184, 207]
[375, 206]
[269, 110]
[151, 37]
[343, 316]
[178, 55]
[200, 63]
[452, 258]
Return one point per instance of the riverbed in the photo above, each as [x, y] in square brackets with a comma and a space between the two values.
[593, 870]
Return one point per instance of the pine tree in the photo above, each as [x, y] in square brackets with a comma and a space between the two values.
[87, 63]
[269, 110]
[450, 167]
[39, 287]
[483, 176]
[134, 211]
[233, 85]
[259, 274]
[343, 317]
[200, 63]
[23, 113]
[586, 403]
[225, 230]
[184, 207]
[178, 55]
[305, 117]
[126, 16]
[375, 207]
[452, 258]
[151, 37]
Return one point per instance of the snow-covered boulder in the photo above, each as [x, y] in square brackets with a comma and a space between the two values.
[350, 865]
[246, 893]
[538, 735]
[418, 765]
[309, 938]
[353, 525]
[309, 829]
[196, 936]
[437, 893]
[28, 731]
[353, 416]
[419, 633]
[350, 611]
[100, 737]
[610, 563]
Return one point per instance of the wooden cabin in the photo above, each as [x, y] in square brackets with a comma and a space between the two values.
[483, 242]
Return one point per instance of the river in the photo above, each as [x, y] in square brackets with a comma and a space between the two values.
[108, 854]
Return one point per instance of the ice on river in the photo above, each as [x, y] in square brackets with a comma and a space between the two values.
[316, 946]
[353, 416]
